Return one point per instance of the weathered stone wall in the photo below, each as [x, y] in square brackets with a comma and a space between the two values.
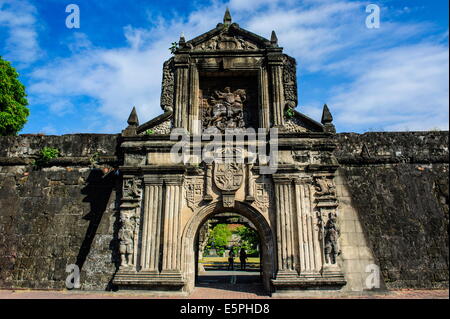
[59, 214]
[65, 212]
[398, 183]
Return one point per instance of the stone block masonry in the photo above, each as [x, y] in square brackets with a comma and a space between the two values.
[60, 214]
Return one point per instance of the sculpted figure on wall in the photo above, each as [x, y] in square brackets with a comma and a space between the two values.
[331, 239]
[126, 237]
[225, 109]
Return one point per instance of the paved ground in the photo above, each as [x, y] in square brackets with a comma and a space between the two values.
[220, 285]
[224, 292]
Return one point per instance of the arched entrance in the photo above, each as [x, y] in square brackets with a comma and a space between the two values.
[267, 247]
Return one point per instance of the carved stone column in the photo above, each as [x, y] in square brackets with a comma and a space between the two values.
[249, 185]
[194, 109]
[151, 230]
[171, 263]
[264, 99]
[285, 227]
[181, 91]
[307, 227]
[276, 72]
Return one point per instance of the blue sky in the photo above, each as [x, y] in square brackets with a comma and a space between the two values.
[86, 80]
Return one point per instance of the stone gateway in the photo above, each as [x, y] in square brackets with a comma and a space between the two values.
[231, 79]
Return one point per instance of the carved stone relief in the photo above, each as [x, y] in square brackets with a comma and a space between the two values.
[163, 128]
[303, 157]
[194, 191]
[324, 186]
[228, 176]
[168, 84]
[129, 223]
[331, 234]
[290, 81]
[224, 109]
[293, 125]
[263, 195]
[132, 188]
[225, 41]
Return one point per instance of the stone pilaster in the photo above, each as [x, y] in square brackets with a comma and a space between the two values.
[309, 246]
[171, 262]
[265, 99]
[182, 91]
[194, 109]
[285, 227]
[276, 72]
[151, 230]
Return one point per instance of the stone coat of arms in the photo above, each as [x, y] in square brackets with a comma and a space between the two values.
[228, 176]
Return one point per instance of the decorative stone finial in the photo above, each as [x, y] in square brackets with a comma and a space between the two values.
[182, 40]
[273, 38]
[227, 17]
[327, 118]
[133, 118]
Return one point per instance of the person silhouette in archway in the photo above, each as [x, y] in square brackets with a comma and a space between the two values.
[243, 258]
[231, 259]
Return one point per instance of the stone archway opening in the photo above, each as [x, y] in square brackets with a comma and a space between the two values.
[227, 253]
[255, 280]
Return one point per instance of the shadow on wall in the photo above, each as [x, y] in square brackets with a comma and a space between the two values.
[98, 192]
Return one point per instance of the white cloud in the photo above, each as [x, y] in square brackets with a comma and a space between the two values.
[401, 88]
[18, 24]
[392, 84]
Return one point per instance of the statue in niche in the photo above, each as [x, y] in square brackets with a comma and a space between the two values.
[331, 239]
[324, 186]
[225, 109]
[126, 234]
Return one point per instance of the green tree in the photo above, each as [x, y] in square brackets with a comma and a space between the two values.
[249, 237]
[220, 235]
[13, 102]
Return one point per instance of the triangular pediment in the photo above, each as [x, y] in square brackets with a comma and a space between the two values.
[228, 37]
